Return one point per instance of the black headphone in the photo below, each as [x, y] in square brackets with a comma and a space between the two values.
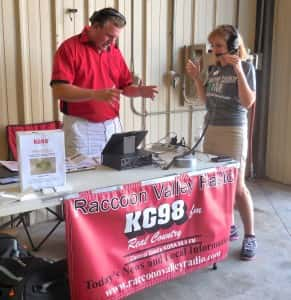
[102, 15]
[233, 40]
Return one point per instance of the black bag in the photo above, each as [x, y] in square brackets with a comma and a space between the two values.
[10, 247]
[31, 278]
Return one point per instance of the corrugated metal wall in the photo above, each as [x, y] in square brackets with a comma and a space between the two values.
[279, 138]
[152, 43]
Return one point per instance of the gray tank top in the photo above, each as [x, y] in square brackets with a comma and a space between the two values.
[222, 101]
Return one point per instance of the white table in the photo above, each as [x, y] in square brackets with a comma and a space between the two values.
[100, 178]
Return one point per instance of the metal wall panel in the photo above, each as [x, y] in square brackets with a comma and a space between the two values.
[279, 126]
[156, 65]
[3, 88]
[247, 21]
[226, 12]
[204, 19]
[35, 39]
[181, 122]
[8, 70]
[31, 30]
[152, 44]
[131, 45]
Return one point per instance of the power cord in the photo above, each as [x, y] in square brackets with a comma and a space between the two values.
[174, 140]
[170, 146]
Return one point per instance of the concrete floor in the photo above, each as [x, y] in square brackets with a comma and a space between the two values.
[268, 277]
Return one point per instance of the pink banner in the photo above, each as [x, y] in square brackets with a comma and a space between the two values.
[123, 241]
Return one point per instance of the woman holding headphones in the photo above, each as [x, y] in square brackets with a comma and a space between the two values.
[229, 92]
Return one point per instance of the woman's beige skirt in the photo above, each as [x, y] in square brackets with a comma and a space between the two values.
[227, 140]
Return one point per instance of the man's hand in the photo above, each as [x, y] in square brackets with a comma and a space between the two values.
[148, 91]
[145, 91]
[72, 93]
[108, 95]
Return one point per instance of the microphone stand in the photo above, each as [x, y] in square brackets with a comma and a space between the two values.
[190, 151]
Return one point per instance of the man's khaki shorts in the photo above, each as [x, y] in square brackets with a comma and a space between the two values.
[88, 138]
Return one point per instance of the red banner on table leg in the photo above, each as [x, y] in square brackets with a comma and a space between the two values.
[122, 241]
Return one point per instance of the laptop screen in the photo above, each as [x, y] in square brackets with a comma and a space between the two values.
[125, 142]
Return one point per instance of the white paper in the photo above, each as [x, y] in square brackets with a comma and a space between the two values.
[41, 159]
[80, 162]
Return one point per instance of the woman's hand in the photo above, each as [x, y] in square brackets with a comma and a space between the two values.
[233, 60]
[246, 95]
[193, 69]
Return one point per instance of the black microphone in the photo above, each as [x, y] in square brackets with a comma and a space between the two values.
[234, 51]
[220, 54]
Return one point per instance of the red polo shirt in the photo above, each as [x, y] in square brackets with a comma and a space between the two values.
[78, 62]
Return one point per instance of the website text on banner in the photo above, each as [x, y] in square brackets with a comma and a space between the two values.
[123, 241]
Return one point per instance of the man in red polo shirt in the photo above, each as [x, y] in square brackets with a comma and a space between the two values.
[89, 75]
